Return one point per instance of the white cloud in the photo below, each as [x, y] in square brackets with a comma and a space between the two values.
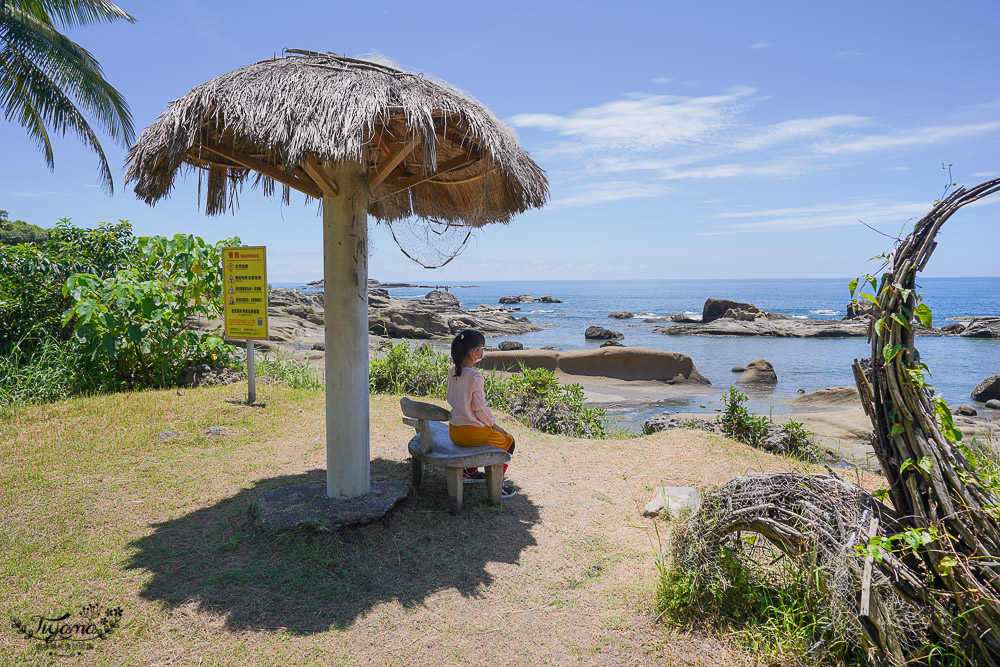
[801, 128]
[662, 79]
[760, 45]
[916, 137]
[825, 215]
[643, 122]
[611, 191]
[847, 54]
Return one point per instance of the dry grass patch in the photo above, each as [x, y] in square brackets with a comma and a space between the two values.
[95, 506]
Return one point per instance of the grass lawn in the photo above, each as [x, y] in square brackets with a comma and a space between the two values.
[95, 507]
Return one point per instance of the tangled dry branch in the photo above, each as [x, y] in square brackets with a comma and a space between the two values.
[915, 580]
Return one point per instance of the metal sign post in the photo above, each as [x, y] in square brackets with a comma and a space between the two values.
[244, 281]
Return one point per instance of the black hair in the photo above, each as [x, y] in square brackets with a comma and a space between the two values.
[465, 342]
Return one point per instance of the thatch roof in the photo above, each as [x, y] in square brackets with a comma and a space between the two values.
[430, 150]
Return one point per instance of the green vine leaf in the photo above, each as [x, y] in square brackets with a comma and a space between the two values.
[853, 285]
[923, 314]
[900, 320]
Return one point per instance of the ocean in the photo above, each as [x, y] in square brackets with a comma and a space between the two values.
[957, 364]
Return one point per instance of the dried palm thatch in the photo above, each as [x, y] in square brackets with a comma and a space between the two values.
[430, 150]
[918, 581]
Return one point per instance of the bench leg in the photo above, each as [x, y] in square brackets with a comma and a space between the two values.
[418, 471]
[454, 477]
[494, 480]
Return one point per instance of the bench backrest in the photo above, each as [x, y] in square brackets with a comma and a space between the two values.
[424, 413]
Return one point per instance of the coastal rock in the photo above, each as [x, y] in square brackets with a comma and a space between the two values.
[621, 363]
[283, 298]
[670, 500]
[612, 343]
[444, 300]
[983, 327]
[834, 397]
[319, 346]
[777, 328]
[631, 363]
[527, 298]
[759, 371]
[204, 375]
[967, 410]
[600, 333]
[666, 421]
[859, 309]
[622, 315]
[715, 309]
[993, 404]
[987, 389]
[508, 345]
[738, 369]
[438, 315]
[955, 327]
[743, 315]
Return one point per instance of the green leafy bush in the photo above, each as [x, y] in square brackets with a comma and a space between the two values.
[739, 423]
[99, 309]
[136, 317]
[32, 276]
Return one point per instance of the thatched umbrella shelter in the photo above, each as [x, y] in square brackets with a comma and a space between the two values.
[367, 139]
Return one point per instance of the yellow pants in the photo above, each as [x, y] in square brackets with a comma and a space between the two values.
[477, 436]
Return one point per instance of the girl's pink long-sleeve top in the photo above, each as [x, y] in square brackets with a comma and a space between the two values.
[468, 400]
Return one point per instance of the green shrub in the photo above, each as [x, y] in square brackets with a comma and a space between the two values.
[403, 370]
[136, 317]
[739, 423]
[32, 276]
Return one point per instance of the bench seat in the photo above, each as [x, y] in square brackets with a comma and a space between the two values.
[432, 445]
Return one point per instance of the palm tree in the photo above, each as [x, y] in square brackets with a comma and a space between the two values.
[47, 81]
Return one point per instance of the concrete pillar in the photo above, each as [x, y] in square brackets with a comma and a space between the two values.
[345, 271]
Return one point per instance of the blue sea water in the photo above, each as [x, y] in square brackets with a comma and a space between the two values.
[957, 364]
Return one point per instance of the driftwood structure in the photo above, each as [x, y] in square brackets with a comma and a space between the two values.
[917, 577]
[366, 138]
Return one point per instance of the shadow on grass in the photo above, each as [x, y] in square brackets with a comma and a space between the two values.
[219, 558]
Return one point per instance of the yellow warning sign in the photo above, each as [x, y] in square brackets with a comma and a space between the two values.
[244, 276]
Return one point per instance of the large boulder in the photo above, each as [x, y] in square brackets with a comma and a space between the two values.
[600, 333]
[987, 389]
[834, 397]
[438, 298]
[510, 345]
[622, 315]
[759, 371]
[631, 363]
[715, 309]
[983, 327]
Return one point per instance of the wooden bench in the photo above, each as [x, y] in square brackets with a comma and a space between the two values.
[433, 446]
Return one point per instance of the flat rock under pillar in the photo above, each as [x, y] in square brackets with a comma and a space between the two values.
[307, 507]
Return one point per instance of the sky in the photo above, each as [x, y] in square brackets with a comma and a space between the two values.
[681, 140]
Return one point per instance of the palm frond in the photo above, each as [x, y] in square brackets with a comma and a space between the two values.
[29, 96]
[70, 13]
[73, 69]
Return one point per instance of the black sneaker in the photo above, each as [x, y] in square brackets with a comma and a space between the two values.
[507, 489]
[474, 477]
